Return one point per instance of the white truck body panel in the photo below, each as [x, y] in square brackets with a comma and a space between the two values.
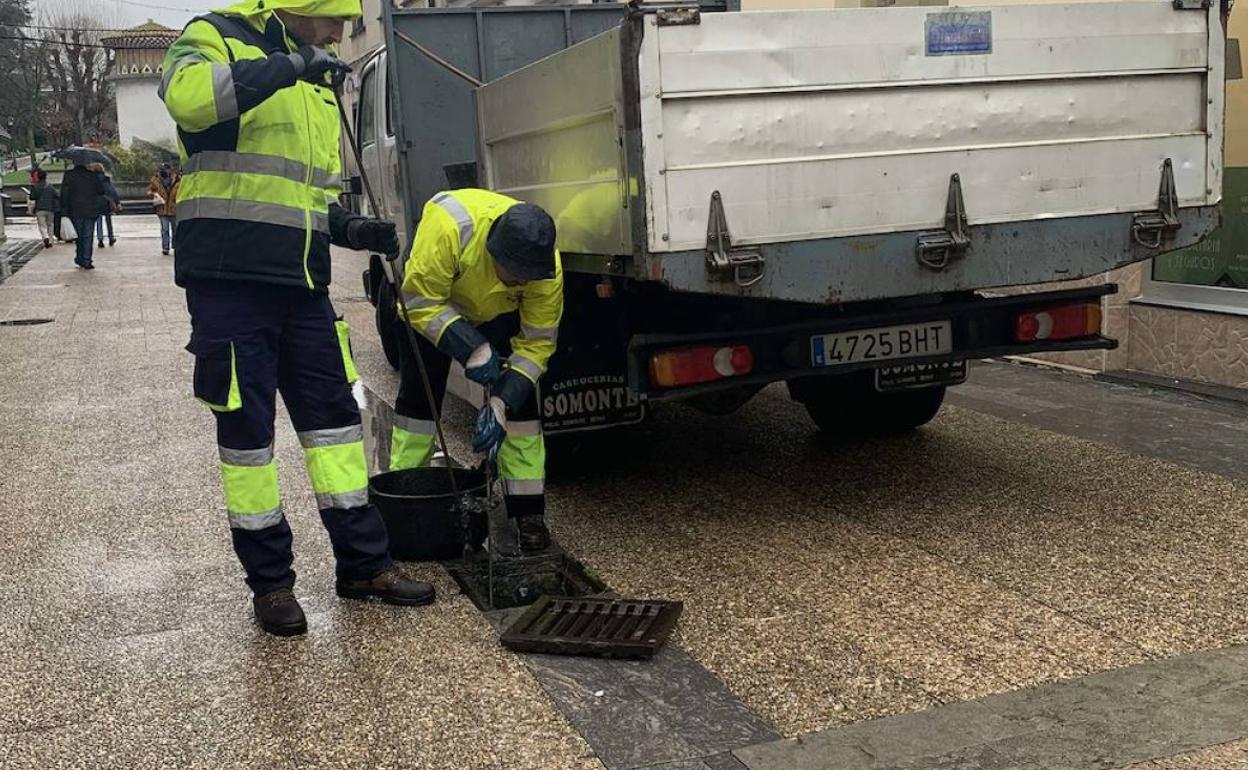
[816, 124]
[822, 124]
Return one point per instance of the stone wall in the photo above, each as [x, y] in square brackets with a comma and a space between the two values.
[1189, 344]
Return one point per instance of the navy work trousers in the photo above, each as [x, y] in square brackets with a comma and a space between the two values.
[250, 341]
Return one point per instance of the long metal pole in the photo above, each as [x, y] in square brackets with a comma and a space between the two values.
[397, 280]
[433, 57]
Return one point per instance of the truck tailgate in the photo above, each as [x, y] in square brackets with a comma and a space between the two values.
[843, 155]
[830, 123]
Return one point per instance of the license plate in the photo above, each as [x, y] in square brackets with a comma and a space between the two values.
[914, 376]
[886, 343]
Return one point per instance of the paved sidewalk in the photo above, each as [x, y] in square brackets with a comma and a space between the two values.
[1045, 534]
[125, 630]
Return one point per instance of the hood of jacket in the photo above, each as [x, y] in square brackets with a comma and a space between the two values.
[343, 8]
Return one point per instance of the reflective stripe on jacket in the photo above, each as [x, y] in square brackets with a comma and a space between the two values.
[450, 275]
[260, 155]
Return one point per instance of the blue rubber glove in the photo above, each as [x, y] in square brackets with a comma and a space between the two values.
[490, 431]
[483, 366]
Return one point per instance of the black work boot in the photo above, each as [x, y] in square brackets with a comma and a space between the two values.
[279, 613]
[533, 533]
[391, 586]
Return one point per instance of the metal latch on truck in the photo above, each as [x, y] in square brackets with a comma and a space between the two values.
[1150, 229]
[743, 264]
[937, 249]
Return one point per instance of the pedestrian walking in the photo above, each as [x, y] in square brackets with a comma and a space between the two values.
[81, 191]
[484, 280]
[47, 202]
[257, 210]
[163, 190]
[110, 203]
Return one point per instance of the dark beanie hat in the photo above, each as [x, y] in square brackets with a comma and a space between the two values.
[523, 241]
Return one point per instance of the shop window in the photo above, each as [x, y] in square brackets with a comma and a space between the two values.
[1213, 274]
[1221, 260]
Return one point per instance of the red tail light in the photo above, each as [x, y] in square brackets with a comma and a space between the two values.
[1059, 323]
[689, 366]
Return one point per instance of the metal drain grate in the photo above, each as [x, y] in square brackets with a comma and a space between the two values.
[616, 628]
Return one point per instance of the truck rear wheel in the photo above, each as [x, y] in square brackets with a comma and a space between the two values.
[849, 405]
[387, 323]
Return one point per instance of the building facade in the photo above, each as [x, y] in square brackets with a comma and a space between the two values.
[138, 59]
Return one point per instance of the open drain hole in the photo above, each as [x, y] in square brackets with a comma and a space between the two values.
[519, 581]
[26, 321]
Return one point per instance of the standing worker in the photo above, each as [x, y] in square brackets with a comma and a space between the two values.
[249, 88]
[484, 279]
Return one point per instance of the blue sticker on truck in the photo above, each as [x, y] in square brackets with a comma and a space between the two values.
[959, 33]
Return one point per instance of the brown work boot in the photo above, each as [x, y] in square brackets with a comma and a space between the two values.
[534, 536]
[391, 586]
[279, 613]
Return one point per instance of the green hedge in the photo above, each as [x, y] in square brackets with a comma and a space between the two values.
[133, 165]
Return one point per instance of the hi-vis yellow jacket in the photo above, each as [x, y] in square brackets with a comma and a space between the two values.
[449, 280]
[260, 149]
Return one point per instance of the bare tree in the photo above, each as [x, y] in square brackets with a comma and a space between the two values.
[77, 68]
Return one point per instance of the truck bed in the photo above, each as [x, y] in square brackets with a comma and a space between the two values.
[838, 140]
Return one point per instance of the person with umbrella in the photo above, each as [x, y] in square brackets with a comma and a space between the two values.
[82, 190]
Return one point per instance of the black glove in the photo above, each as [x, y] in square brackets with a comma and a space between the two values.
[374, 235]
[312, 64]
[513, 389]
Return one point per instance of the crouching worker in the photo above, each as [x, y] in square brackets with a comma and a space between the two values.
[484, 286]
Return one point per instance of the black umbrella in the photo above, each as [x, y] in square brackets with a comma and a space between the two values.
[83, 156]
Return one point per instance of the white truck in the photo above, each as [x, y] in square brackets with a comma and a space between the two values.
[836, 199]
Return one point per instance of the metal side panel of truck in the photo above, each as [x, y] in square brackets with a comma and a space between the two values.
[837, 156]
[835, 199]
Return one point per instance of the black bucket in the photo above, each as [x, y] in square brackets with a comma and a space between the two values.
[420, 512]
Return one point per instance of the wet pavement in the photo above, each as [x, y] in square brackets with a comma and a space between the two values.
[125, 630]
[1044, 530]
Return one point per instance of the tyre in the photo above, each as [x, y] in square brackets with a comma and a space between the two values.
[849, 405]
[373, 277]
[388, 323]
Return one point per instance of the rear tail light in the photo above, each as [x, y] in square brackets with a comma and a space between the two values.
[689, 366]
[1059, 323]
